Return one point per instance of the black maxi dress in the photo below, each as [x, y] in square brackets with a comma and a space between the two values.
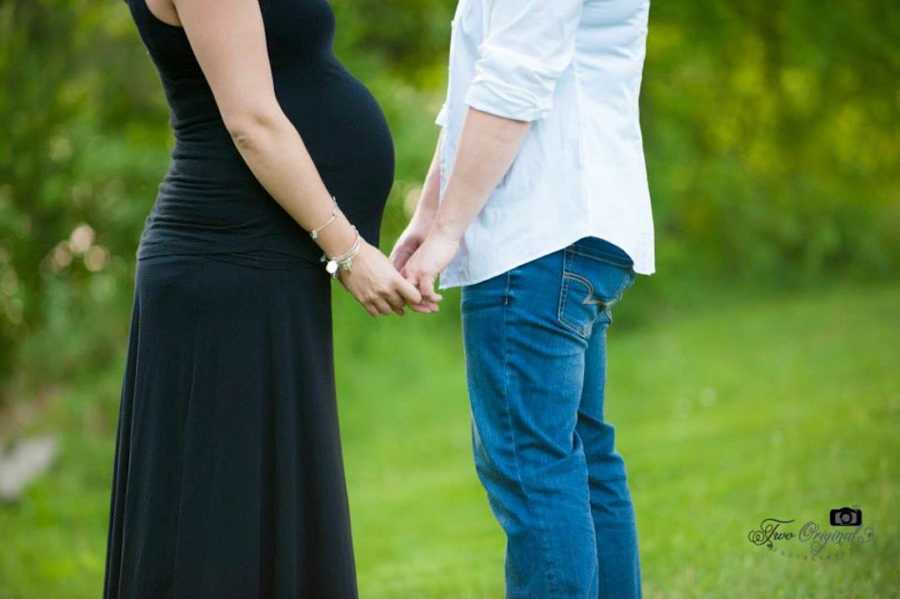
[228, 478]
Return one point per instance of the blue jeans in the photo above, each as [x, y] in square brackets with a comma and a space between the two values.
[535, 341]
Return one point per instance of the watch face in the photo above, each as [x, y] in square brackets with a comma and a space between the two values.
[331, 267]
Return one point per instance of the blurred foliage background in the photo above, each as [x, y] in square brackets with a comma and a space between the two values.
[770, 132]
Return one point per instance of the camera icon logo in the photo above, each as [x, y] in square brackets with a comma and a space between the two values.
[846, 516]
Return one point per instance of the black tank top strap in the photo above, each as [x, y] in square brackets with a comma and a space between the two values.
[144, 16]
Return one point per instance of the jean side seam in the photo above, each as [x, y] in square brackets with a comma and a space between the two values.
[563, 292]
[529, 504]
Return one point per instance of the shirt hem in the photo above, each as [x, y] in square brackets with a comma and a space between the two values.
[450, 279]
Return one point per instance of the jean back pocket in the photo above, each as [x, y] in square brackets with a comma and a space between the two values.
[591, 285]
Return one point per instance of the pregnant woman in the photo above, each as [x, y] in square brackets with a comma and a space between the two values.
[228, 477]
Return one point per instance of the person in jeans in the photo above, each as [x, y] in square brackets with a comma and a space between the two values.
[537, 205]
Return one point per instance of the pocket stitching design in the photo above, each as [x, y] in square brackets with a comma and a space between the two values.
[563, 298]
[568, 276]
[583, 331]
[590, 288]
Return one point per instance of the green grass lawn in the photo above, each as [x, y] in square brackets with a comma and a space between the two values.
[728, 410]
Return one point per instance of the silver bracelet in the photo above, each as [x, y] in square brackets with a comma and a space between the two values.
[334, 212]
[344, 262]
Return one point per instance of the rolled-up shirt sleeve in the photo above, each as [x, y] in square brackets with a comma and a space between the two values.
[528, 46]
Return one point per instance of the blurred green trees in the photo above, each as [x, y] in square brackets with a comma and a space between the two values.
[771, 137]
[771, 133]
[84, 129]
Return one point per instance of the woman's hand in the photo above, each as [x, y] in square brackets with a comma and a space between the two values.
[377, 285]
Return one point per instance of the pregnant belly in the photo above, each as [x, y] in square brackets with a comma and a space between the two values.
[210, 202]
[348, 138]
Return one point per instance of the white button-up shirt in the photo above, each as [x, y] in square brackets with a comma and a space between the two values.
[573, 68]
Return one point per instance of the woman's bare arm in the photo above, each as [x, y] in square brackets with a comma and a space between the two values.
[229, 41]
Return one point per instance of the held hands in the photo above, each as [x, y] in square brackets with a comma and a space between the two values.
[379, 288]
[421, 254]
